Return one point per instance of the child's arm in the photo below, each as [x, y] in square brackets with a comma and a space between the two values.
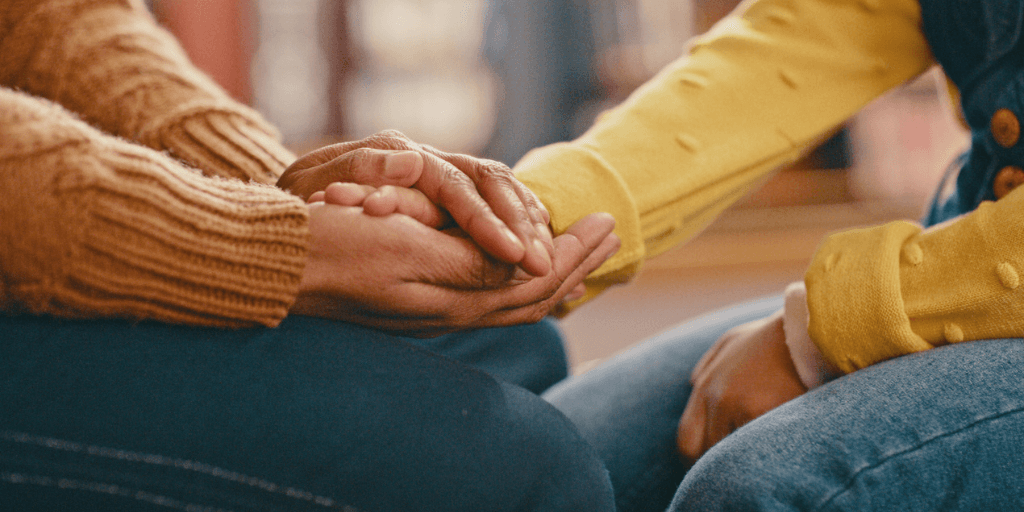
[763, 86]
[890, 290]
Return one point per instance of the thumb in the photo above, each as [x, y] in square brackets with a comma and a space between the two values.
[375, 167]
[364, 166]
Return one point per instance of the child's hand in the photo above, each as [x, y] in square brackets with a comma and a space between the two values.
[747, 373]
[385, 200]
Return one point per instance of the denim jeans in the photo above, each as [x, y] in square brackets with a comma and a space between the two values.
[312, 415]
[938, 430]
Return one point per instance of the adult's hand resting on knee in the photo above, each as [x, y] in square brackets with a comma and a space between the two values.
[398, 274]
[482, 196]
[745, 374]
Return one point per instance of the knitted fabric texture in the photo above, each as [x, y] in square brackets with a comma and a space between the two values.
[753, 94]
[97, 224]
[763, 85]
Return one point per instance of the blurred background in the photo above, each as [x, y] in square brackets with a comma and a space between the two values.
[496, 78]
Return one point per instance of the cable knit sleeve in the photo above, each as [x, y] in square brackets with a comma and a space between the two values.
[109, 62]
[762, 86]
[94, 226]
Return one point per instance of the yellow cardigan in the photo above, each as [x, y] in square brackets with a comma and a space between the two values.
[762, 86]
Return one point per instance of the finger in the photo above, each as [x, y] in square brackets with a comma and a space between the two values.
[494, 183]
[584, 247]
[364, 165]
[453, 309]
[346, 194]
[387, 200]
[454, 264]
[317, 197]
[387, 140]
[375, 167]
[690, 433]
[533, 312]
[577, 293]
[701, 369]
[454, 191]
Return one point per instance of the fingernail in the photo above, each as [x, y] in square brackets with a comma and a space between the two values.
[512, 238]
[576, 294]
[542, 251]
[398, 165]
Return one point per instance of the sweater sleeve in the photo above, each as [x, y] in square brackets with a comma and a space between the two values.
[109, 62]
[887, 291]
[97, 227]
[760, 88]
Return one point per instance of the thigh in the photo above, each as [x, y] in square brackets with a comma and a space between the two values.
[629, 407]
[531, 356]
[937, 430]
[311, 415]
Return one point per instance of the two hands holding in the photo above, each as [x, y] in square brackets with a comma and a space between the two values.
[470, 247]
[420, 242]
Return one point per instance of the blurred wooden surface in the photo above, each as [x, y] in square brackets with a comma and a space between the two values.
[746, 254]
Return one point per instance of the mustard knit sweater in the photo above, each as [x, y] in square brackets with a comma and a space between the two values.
[132, 186]
[762, 86]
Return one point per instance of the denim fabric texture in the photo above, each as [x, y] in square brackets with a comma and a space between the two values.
[629, 408]
[937, 430]
[312, 415]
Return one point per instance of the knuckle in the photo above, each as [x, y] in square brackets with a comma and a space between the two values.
[495, 173]
[496, 165]
[537, 313]
[390, 139]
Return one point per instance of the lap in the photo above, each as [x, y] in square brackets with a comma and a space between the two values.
[941, 429]
[937, 430]
[108, 415]
[629, 407]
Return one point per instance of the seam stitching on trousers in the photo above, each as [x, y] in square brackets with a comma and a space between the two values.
[919, 446]
[171, 462]
[102, 488]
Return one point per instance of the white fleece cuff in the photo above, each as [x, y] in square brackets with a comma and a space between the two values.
[812, 367]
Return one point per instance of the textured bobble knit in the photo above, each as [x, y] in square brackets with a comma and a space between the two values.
[768, 81]
[98, 221]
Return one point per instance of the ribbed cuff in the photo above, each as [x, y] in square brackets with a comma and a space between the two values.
[160, 241]
[225, 141]
[857, 313]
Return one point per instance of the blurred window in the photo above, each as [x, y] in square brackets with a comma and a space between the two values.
[420, 71]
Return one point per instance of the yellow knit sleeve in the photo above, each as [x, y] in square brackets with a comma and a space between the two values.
[887, 291]
[763, 85]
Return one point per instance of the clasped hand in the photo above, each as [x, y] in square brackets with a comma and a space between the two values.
[459, 250]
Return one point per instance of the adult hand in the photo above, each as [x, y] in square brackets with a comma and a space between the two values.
[482, 196]
[747, 373]
[395, 273]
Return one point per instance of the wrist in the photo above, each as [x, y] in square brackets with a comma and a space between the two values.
[811, 365]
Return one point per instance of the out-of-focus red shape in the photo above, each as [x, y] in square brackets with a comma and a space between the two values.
[217, 34]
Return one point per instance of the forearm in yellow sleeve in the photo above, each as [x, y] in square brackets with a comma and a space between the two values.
[765, 84]
[883, 292]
